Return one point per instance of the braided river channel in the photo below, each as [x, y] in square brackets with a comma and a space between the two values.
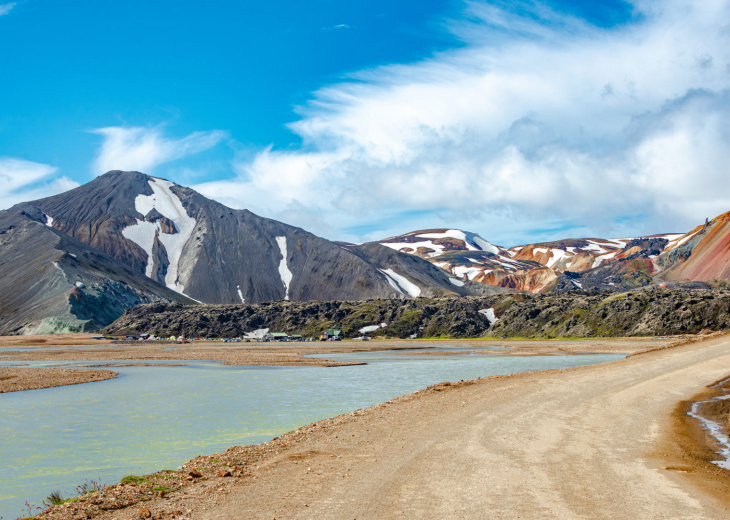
[158, 417]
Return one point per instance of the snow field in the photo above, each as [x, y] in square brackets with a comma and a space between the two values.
[143, 233]
[489, 314]
[401, 283]
[456, 282]
[284, 272]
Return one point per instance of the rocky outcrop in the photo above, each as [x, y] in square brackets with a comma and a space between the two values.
[637, 313]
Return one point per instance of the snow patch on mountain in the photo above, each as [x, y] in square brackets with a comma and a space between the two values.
[489, 314]
[49, 220]
[392, 282]
[372, 328]
[402, 284]
[143, 233]
[451, 233]
[557, 255]
[284, 272]
[399, 246]
[601, 258]
[240, 294]
[678, 240]
[470, 272]
[484, 245]
[456, 282]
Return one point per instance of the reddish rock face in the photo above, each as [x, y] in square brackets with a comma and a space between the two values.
[706, 255]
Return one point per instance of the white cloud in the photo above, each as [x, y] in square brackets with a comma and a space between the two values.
[142, 149]
[5, 8]
[539, 121]
[25, 180]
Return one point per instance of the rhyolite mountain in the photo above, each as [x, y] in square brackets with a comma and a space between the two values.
[154, 241]
[702, 255]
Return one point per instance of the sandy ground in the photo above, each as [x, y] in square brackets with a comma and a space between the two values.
[605, 441]
[61, 348]
[15, 379]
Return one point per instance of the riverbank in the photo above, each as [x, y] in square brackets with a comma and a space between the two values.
[586, 442]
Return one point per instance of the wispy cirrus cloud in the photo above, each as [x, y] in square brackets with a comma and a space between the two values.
[338, 27]
[6, 8]
[541, 121]
[25, 180]
[142, 149]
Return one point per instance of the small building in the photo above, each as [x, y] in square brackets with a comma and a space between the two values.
[296, 337]
[331, 335]
[276, 336]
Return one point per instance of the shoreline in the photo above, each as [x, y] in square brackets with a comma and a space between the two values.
[212, 478]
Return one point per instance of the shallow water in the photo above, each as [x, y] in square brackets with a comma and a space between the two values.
[715, 429]
[158, 417]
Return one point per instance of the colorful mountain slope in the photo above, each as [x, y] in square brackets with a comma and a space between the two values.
[540, 267]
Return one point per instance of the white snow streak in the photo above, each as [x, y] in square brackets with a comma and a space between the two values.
[456, 282]
[405, 286]
[284, 271]
[486, 246]
[392, 282]
[470, 272]
[143, 233]
[489, 314]
[372, 328]
[558, 254]
[240, 294]
[49, 220]
[601, 258]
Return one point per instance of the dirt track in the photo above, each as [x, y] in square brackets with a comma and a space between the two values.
[581, 443]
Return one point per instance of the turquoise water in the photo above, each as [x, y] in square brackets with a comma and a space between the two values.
[158, 417]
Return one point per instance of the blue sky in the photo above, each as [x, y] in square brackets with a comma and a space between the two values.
[522, 121]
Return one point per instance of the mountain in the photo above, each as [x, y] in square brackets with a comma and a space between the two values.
[166, 242]
[52, 283]
[574, 264]
[703, 254]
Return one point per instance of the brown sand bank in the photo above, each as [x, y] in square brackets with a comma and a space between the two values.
[15, 379]
[589, 442]
[277, 354]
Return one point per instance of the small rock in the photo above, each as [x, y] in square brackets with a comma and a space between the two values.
[161, 494]
[145, 513]
[225, 472]
[195, 473]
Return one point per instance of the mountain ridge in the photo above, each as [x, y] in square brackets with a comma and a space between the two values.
[173, 244]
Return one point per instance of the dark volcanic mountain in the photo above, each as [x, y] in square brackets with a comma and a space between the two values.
[54, 283]
[165, 242]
